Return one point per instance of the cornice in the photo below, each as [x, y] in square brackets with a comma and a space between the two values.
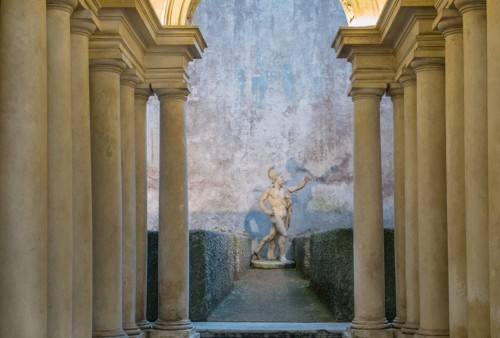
[181, 38]
[349, 37]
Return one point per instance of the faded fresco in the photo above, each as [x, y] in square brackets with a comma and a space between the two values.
[269, 91]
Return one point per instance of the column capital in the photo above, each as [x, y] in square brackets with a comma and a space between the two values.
[407, 78]
[84, 22]
[174, 92]
[109, 65]
[130, 78]
[395, 90]
[357, 93]
[63, 5]
[470, 5]
[425, 64]
[142, 92]
[449, 22]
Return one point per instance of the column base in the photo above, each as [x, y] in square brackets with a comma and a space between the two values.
[398, 323]
[144, 325]
[191, 333]
[409, 330]
[423, 333]
[109, 334]
[383, 333]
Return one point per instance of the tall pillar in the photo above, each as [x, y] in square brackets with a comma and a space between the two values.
[397, 97]
[432, 232]
[82, 27]
[451, 27]
[106, 196]
[141, 184]
[369, 286]
[493, 77]
[411, 205]
[476, 164]
[173, 265]
[127, 119]
[60, 169]
[23, 169]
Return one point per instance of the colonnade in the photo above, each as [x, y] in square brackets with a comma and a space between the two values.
[75, 78]
[440, 64]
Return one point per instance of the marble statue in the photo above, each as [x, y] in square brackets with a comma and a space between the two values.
[280, 199]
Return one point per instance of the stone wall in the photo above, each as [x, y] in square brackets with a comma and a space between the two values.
[216, 259]
[269, 91]
[327, 259]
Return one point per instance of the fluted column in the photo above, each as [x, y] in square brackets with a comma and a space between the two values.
[23, 169]
[173, 253]
[127, 120]
[106, 196]
[141, 184]
[60, 169]
[399, 204]
[476, 164]
[432, 232]
[493, 77]
[82, 26]
[369, 287]
[411, 325]
[451, 27]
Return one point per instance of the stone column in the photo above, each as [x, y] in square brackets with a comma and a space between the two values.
[399, 205]
[432, 232]
[141, 184]
[493, 77]
[106, 196]
[451, 27]
[369, 286]
[23, 168]
[411, 205]
[127, 119]
[476, 164]
[173, 252]
[60, 168]
[82, 26]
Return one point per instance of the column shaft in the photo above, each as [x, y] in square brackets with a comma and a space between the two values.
[23, 169]
[411, 206]
[493, 77]
[141, 183]
[106, 197]
[369, 287]
[81, 28]
[455, 174]
[432, 232]
[60, 169]
[476, 164]
[127, 120]
[173, 265]
[399, 205]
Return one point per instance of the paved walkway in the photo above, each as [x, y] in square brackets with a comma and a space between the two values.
[271, 296]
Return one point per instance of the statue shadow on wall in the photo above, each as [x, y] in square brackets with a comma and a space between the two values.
[257, 223]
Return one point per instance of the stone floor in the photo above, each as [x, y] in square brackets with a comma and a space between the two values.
[278, 295]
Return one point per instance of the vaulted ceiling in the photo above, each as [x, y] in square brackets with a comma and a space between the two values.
[181, 12]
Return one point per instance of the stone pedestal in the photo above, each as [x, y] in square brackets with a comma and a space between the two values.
[411, 205]
[60, 169]
[106, 196]
[451, 27]
[141, 205]
[369, 288]
[82, 26]
[493, 77]
[397, 97]
[476, 164]
[23, 168]
[173, 265]
[127, 122]
[432, 226]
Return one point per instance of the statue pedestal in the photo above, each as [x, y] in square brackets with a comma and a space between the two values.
[275, 264]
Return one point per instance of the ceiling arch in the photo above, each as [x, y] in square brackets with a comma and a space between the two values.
[181, 12]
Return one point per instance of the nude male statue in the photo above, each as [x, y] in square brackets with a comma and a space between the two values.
[280, 199]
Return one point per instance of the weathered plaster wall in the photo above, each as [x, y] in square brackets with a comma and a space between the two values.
[269, 91]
